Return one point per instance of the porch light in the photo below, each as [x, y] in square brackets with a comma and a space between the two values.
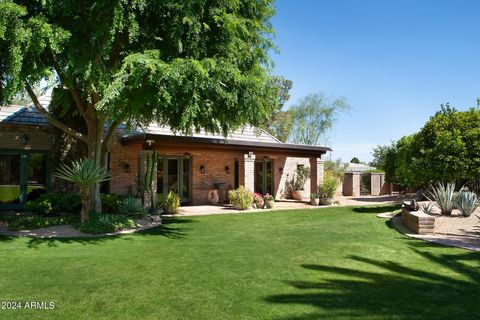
[24, 139]
[126, 167]
[280, 170]
[227, 169]
[150, 142]
[202, 169]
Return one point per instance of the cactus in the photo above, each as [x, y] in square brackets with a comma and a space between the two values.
[151, 160]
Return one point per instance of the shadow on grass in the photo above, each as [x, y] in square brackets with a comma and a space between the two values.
[376, 210]
[443, 287]
[169, 228]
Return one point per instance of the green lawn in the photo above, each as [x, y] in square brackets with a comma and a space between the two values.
[336, 263]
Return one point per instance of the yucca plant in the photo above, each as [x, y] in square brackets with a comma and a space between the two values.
[466, 202]
[84, 173]
[445, 196]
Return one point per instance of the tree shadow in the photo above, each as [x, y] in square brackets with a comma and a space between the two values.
[449, 289]
[169, 228]
[377, 209]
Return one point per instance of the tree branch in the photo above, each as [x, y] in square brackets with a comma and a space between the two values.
[73, 89]
[106, 141]
[50, 118]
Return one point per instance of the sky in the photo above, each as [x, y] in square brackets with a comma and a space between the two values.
[395, 62]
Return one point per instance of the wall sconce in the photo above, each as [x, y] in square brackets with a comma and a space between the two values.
[202, 169]
[227, 169]
[24, 139]
[150, 142]
[280, 170]
[126, 167]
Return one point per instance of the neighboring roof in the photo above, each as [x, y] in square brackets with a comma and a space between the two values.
[358, 167]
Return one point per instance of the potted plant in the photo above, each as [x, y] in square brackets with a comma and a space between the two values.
[258, 200]
[302, 174]
[169, 203]
[241, 198]
[328, 188]
[269, 201]
[314, 199]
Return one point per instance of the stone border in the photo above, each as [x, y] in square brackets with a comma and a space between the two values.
[68, 232]
[464, 242]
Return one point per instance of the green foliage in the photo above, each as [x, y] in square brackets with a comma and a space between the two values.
[170, 203]
[35, 222]
[355, 160]
[241, 198]
[445, 196]
[445, 149]
[466, 202]
[302, 174]
[83, 173]
[280, 124]
[132, 207]
[111, 203]
[315, 196]
[313, 116]
[104, 223]
[427, 208]
[329, 186]
[336, 167]
[54, 204]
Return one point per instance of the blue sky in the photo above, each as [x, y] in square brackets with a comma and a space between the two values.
[395, 62]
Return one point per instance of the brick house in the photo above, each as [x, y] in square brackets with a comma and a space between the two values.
[194, 166]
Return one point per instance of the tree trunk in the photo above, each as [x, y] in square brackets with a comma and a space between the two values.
[95, 134]
[84, 195]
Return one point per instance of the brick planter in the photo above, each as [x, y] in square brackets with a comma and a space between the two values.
[418, 221]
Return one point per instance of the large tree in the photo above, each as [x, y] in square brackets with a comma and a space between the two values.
[192, 64]
[313, 116]
[281, 121]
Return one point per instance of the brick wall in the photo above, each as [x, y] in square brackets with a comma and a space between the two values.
[39, 137]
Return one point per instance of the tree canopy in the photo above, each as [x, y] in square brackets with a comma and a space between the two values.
[313, 117]
[192, 65]
[446, 149]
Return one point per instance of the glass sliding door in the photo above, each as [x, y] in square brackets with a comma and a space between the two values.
[23, 177]
[174, 174]
[263, 176]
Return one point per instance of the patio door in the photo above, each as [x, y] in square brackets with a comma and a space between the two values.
[23, 177]
[263, 176]
[174, 174]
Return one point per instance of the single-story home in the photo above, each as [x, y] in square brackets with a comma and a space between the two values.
[193, 165]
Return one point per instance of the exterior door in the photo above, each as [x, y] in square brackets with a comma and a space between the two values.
[263, 177]
[174, 174]
[23, 177]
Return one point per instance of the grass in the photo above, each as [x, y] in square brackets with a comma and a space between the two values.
[336, 263]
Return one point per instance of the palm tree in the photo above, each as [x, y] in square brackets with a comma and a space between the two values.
[84, 173]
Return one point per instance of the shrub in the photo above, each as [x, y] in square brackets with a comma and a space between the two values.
[35, 222]
[241, 198]
[111, 203]
[314, 196]
[132, 207]
[104, 223]
[445, 196]
[466, 202]
[329, 186]
[55, 204]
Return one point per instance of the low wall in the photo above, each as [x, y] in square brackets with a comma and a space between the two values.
[418, 221]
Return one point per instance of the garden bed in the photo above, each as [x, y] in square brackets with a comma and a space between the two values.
[68, 231]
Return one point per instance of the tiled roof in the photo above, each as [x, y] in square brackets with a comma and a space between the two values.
[247, 133]
[26, 115]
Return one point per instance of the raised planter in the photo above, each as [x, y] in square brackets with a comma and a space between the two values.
[299, 194]
[418, 222]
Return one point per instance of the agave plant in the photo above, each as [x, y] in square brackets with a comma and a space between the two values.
[84, 173]
[445, 197]
[427, 208]
[466, 202]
